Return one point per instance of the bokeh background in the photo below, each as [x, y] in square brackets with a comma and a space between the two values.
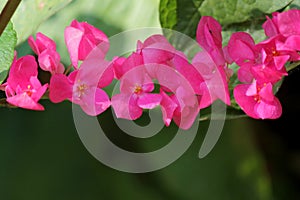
[42, 157]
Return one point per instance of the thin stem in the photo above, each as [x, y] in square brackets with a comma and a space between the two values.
[292, 66]
[7, 12]
[227, 117]
[68, 69]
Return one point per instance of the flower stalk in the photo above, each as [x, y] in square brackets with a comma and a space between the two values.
[7, 12]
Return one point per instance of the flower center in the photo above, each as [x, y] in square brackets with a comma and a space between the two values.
[80, 89]
[257, 98]
[275, 52]
[138, 89]
[29, 91]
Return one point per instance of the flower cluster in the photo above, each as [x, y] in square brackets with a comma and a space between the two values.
[158, 75]
[262, 65]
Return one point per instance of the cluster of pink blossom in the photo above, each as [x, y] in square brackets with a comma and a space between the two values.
[262, 65]
[156, 74]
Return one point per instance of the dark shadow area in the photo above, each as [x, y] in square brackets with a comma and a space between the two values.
[279, 140]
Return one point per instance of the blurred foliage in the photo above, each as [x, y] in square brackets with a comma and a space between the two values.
[234, 15]
[111, 17]
[43, 158]
[31, 13]
[8, 41]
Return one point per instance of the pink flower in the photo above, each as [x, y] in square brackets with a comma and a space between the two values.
[136, 87]
[23, 89]
[210, 38]
[215, 78]
[258, 101]
[60, 88]
[82, 85]
[41, 43]
[273, 56]
[187, 108]
[288, 22]
[211, 63]
[122, 65]
[264, 61]
[81, 38]
[48, 57]
[156, 49]
[179, 100]
[271, 25]
[49, 60]
[168, 107]
[241, 48]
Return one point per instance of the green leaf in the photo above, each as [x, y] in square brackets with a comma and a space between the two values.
[234, 15]
[31, 13]
[182, 16]
[237, 11]
[8, 41]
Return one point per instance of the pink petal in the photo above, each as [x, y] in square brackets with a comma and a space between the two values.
[24, 101]
[280, 61]
[218, 85]
[227, 56]
[94, 102]
[117, 63]
[168, 107]
[96, 36]
[167, 77]
[156, 49]
[265, 74]
[131, 62]
[60, 88]
[39, 90]
[125, 106]
[271, 28]
[241, 47]
[266, 93]
[107, 77]
[49, 60]
[247, 103]
[205, 98]
[72, 39]
[293, 42]
[42, 43]
[209, 33]
[21, 71]
[288, 22]
[269, 110]
[185, 115]
[81, 38]
[72, 76]
[244, 73]
[149, 101]
[189, 71]
[85, 47]
[252, 89]
[93, 68]
[33, 45]
[136, 77]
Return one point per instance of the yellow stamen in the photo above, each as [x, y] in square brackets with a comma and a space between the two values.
[138, 89]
